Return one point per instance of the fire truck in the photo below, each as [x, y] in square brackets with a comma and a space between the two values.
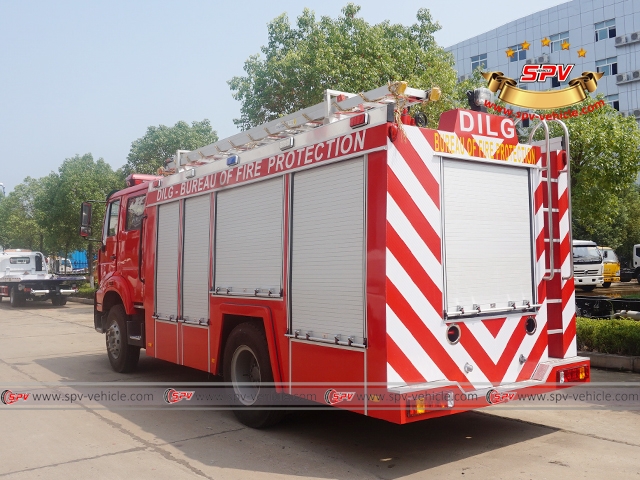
[346, 255]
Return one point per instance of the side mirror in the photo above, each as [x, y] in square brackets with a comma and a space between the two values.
[85, 220]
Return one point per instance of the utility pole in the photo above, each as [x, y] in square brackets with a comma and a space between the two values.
[3, 190]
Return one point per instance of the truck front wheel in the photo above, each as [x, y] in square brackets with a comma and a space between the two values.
[122, 356]
[247, 368]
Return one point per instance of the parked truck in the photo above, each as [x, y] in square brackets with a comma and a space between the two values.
[588, 265]
[24, 276]
[611, 266]
[396, 271]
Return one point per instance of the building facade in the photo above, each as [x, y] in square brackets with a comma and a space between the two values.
[594, 35]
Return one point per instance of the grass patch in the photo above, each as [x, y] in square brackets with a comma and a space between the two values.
[615, 336]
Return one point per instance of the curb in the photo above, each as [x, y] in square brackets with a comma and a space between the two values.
[615, 362]
[86, 301]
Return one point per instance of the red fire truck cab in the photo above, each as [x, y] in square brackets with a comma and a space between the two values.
[392, 270]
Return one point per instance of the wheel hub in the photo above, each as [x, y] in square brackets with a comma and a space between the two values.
[114, 339]
[245, 375]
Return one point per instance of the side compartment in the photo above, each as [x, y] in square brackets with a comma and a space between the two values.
[196, 254]
[166, 282]
[327, 280]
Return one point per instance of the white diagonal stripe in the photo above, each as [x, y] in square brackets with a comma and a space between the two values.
[418, 248]
[415, 190]
[494, 347]
[411, 348]
[393, 378]
[432, 319]
[424, 150]
[526, 347]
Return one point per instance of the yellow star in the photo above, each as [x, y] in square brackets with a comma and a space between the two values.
[510, 52]
[546, 42]
[526, 45]
[582, 52]
[565, 45]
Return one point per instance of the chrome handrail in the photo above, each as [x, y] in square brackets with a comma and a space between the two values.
[549, 196]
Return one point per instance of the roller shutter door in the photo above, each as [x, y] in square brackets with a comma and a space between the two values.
[327, 256]
[487, 233]
[195, 264]
[167, 261]
[249, 239]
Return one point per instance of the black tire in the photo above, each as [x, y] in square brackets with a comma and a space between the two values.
[606, 284]
[122, 356]
[587, 288]
[55, 301]
[16, 299]
[247, 367]
[62, 301]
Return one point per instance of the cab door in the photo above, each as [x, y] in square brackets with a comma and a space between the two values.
[109, 251]
[129, 248]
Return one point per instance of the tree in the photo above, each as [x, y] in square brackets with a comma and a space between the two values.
[605, 161]
[149, 152]
[79, 178]
[20, 225]
[346, 54]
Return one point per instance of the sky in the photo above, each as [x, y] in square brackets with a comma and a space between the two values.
[82, 77]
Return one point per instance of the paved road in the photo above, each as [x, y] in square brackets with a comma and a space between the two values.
[41, 343]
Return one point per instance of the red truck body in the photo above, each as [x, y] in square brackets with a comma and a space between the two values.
[402, 274]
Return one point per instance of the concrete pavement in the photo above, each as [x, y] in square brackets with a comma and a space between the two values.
[42, 343]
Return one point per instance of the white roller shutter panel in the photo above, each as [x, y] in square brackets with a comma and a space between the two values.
[167, 261]
[195, 263]
[249, 238]
[327, 276]
[487, 235]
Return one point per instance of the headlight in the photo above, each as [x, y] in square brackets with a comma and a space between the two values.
[617, 273]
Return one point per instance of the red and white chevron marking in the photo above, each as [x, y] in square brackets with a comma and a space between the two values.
[417, 346]
[568, 287]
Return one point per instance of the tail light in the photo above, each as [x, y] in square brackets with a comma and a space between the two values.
[424, 403]
[575, 374]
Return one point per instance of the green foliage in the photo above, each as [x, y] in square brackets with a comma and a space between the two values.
[20, 221]
[149, 152]
[619, 337]
[345, 54]
[79, 178]
[605, 160]
[85, 291]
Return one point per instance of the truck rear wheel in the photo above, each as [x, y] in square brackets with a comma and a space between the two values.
[16, 299]
[606, 284]
[122, 356]
[247, 368]
[587, 288]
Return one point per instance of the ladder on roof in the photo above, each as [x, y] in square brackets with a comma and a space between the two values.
[336, 106]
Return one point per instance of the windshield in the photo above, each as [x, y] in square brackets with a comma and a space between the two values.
[609, 256]
[586, 254]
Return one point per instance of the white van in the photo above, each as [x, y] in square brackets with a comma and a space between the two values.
[587, 265]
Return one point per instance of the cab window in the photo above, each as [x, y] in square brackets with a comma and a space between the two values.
[112, 220]
[135, 210]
